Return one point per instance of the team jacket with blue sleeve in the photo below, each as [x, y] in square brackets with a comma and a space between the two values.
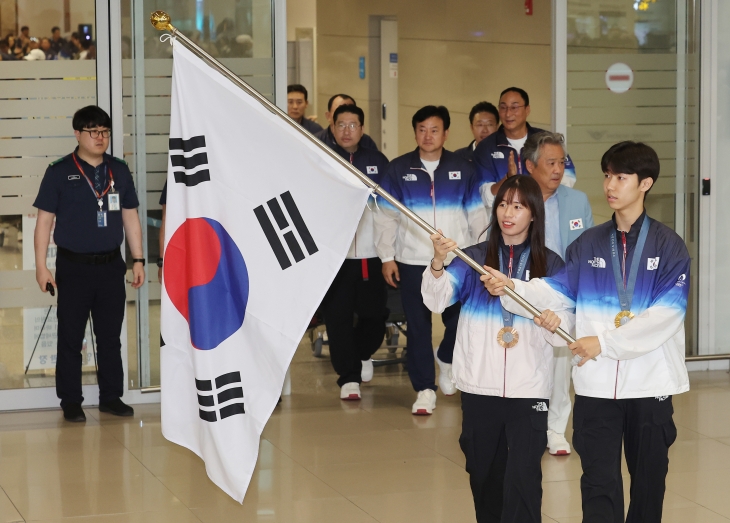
[645, 357]
[491, 158]
[451, 202]
[480, 364]
[373, 164]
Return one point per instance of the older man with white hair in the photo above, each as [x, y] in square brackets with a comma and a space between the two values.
[567, 215]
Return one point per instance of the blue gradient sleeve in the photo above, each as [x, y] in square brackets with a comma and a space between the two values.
[390, 185]
[672, 286]
[565, 281]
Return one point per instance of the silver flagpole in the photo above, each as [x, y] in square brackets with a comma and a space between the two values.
[161, 21]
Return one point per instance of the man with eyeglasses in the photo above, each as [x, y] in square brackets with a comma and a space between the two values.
[498, 156]
[328, 135]
[483, 121]
[91, 197]
[359, 287]
[296, 107]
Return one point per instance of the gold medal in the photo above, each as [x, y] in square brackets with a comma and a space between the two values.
[622, 318]
[508, 337]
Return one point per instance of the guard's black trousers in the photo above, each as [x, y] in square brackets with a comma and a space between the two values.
[358, 288]
[647, 430]
[503, 440]
[99, 290]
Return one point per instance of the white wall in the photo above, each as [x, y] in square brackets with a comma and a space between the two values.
[454, 54]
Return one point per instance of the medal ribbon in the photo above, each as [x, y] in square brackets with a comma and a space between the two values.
[507, 316]
[624, 287]
[109, 184]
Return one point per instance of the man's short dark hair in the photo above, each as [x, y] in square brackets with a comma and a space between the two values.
[521, 92]
[24, 28]
[424, 113]
[297, 88]
[91, 116]
[483, 107]
[631, 158]
[344, 96]
[55, 28]
[349, 108]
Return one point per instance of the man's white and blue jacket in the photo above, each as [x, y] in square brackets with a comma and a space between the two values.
[645, 357]
[451, 202]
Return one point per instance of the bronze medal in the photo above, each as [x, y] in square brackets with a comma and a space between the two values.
[508, 337]
[622, 318]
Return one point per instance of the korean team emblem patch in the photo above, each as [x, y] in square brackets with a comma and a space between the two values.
[454, 175]
[652, 264]
[372, 169]
[576, 224]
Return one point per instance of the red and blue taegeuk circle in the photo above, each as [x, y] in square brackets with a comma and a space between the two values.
[207, 281]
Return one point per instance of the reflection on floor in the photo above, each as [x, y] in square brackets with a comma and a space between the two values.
[322, 460]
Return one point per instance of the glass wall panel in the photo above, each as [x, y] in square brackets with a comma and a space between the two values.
[239, 34]
[719, 243]
[44, 79]
[633, 75]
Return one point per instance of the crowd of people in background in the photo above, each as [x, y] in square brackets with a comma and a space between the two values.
[56, 47]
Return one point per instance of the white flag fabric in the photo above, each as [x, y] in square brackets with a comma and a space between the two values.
[258, 222]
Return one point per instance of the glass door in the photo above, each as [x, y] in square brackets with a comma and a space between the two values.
[46, 77]
[240, 34]
[633, 74]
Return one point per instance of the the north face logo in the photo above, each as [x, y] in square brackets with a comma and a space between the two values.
[497, 155]
[410, 177]
[597, 263]
[540, 406]
[661, 398]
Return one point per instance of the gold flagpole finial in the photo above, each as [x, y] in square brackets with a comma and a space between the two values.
[161, 21]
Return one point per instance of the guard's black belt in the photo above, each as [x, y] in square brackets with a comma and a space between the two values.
[100, 258]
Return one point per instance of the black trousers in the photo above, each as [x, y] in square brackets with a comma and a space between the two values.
[351, 293]
[419, 352]
[99, 290]
[646, 428]
[503, 440]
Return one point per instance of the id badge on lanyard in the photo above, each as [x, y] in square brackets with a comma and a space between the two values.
[113, 196]
[113, 201]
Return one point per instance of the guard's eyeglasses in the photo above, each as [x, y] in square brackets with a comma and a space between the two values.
[95, 133]
[350, 126]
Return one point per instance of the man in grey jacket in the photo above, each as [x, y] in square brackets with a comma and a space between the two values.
[567, 215]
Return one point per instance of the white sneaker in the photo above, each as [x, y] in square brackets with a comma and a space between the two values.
[445, 384]
[350, 391]
[425, 403]
[557, 444]
[367, 370]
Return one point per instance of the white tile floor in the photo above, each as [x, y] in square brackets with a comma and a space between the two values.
[322, 460]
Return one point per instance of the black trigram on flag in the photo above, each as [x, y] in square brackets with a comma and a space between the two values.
[189, 160]
[287, 226]
[215, 399]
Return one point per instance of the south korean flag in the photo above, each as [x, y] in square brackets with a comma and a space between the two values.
[253, 240]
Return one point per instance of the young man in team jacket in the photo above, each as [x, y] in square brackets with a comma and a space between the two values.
[628, 280]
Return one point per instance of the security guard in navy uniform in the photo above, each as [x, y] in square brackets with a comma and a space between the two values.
[91, 195]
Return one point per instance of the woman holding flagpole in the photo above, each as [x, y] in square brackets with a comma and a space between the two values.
[502, 360]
